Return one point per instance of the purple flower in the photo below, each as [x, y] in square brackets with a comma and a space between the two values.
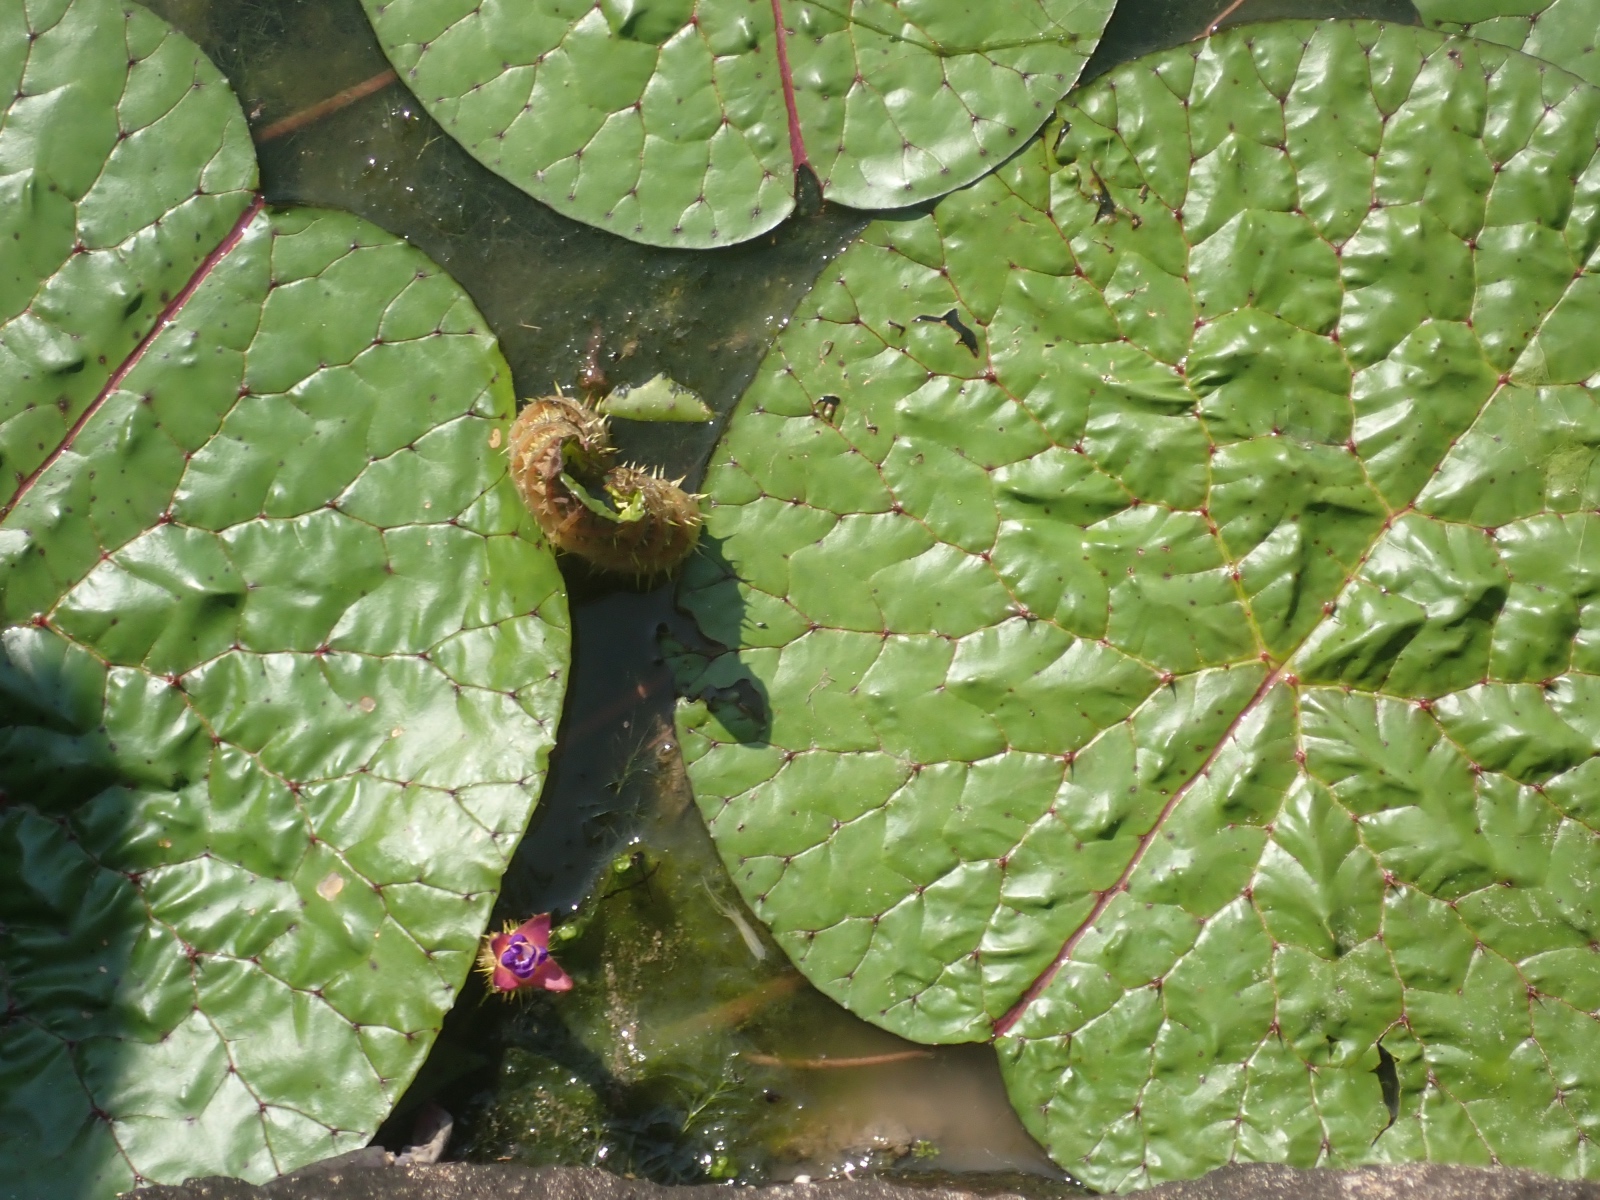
[521, 957]
[518, 958]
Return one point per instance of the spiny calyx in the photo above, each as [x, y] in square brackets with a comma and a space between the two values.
[619, 517]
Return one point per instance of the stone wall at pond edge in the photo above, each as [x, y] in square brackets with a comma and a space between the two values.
[467, 1181]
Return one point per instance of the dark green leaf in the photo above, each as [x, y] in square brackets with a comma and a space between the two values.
[281, 654]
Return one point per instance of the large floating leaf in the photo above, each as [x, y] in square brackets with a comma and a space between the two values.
[280, 652]
[681, 122]
[1163, 600]
[1565, 32]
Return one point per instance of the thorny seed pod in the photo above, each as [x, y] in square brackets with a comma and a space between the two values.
[620, 518]
[518, 959]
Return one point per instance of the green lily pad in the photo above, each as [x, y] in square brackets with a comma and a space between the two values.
[1563, 31]
[1162, 614]
[281, 653]
[683, 122]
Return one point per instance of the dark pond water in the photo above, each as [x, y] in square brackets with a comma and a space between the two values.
[690, 1049]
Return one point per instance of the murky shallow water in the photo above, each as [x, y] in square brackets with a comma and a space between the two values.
[689, 1049]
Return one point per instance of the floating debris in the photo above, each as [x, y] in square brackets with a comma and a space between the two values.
[747, 933]
[660, 399]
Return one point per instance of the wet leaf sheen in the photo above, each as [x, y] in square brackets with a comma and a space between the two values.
[1163, 597]
[1563, 31]
[281, 654]
[682, 122]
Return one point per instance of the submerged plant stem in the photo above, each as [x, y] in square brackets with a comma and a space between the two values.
[738, 1010]
[625, 703]
[835, 1064]
[295, 122]
[1219, 19]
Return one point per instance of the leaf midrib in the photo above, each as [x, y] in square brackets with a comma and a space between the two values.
[1278, 673]
[797, 141]
[163, 319]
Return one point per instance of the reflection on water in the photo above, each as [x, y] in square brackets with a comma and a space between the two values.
[689, 1049]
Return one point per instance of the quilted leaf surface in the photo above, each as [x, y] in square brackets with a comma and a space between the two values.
[1162, 609]
[1563, 31]
[683, 122]
[281, 655]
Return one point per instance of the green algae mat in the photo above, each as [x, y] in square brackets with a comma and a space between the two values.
[687, 122]
[1161, 599]
[281, 655]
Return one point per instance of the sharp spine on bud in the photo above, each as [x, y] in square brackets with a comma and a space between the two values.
[561, 449]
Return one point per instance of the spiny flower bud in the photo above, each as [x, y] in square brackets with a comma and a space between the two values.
[640, 524]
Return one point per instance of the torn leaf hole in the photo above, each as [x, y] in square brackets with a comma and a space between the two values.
[969, 339]
[1389, 1083]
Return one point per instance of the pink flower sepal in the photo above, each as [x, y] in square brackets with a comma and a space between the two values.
[517, 959]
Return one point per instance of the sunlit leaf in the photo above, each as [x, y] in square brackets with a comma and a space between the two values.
[682, 122]
[281, 653]
[1162, 608]
[1563, 31]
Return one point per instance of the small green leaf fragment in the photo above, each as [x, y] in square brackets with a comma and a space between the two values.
[660, 399]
